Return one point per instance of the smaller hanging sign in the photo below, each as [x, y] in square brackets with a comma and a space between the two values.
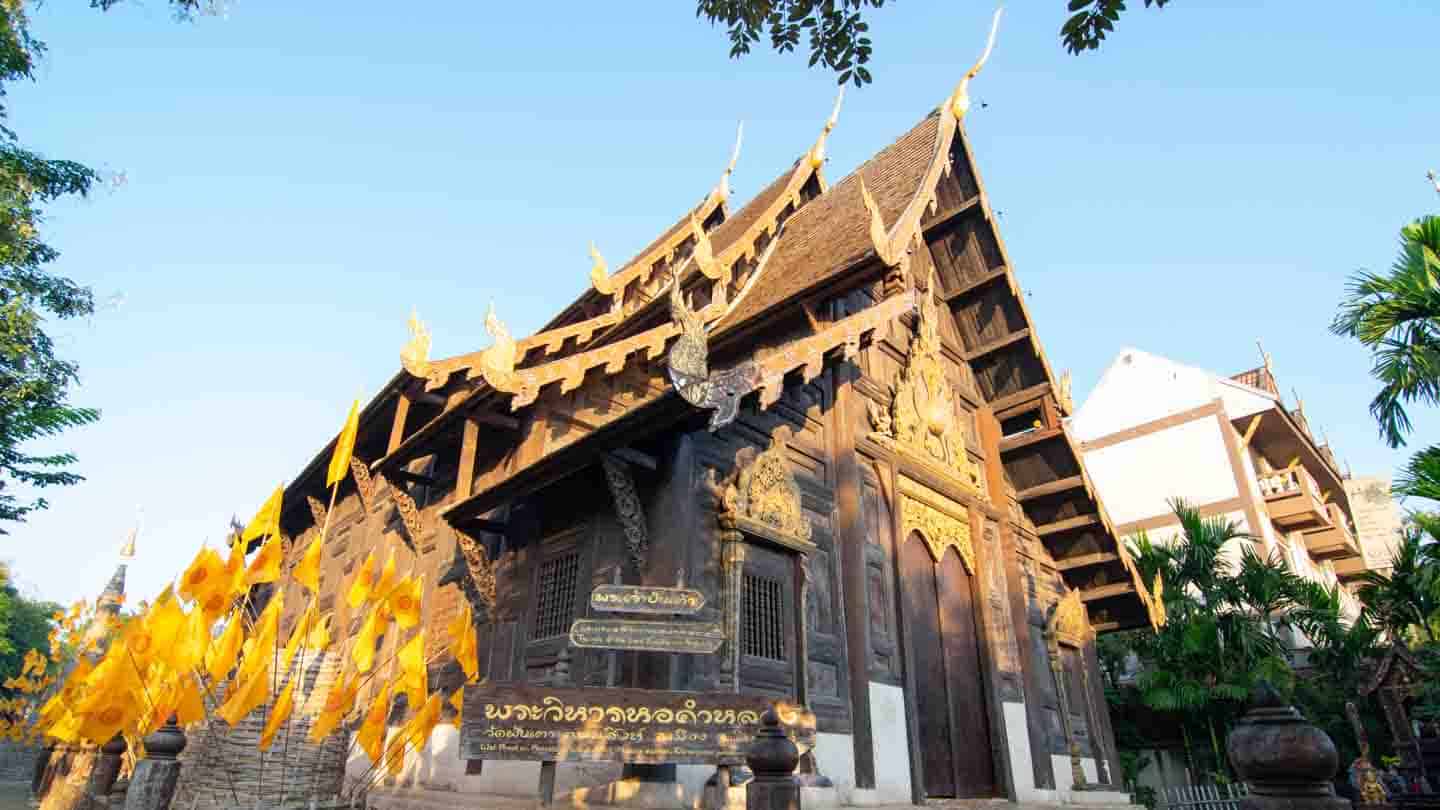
[671, 637]
[647, 599]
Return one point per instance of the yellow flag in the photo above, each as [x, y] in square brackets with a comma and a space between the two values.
[338, 702]
[299, 635]
[464, 644]
[371, 736]
[363, 583]
[307, 571]
[278, 714]
[189, 707]
[188, 650]
[413, 676]
[363, 651]
[424, 722]
[205, 576]
[387, 578]
[266, 565]
[259, 650]
[226, 649]
[108, 717]
[267, 520]
[404, 601]
[235, 566]
[395, 756]
[320, 638]
[344, 447]
[247, 692]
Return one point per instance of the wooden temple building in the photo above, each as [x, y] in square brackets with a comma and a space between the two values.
[828, 411]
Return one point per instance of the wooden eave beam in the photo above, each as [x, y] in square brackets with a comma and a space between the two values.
[948, 217]
[997, 344]
[1009, 402]
[1084, 560]
[977, 284]
[1069, 524]
[1107, 591]
[1016, 442]
[1051, 488]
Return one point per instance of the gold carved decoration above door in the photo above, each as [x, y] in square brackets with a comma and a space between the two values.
[940, 528]
[922, 422]
[1068, 623]
[762, 498]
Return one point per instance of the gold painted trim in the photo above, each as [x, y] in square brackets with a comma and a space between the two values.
[940, 521]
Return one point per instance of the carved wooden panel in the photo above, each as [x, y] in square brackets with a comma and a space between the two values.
[884, 662]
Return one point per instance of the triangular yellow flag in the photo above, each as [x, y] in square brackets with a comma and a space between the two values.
[267, 520]
[279, 714]
[307, 571]
[226, 650]
[413, 675]
[344, 447]
[371, 736]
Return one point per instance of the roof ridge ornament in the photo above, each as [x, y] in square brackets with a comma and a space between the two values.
[721, 192]
[958, 102]
[600, 273]
[497, 363]
[415, 354]
[816, 156]
[704, 256]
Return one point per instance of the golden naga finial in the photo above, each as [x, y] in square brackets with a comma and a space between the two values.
[1157, 602]
[703, 254]
[879, 236]
[415, 354]
[721, 193]
[959, 101]
[599, 272]
[817, 152]
[497, 363]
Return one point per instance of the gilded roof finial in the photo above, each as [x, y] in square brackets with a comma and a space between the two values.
[1264, 357]
[415, 354]
[599, 272]
[497, 363]
[722, 189]
[1062, 392]
[1434, 181]
[817, 152]
[959, 101]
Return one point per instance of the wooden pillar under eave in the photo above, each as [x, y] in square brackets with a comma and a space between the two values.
[850, 540]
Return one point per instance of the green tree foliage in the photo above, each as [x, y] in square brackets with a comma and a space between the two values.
[1407, 598]
[1396, 315]
[34, 382]
[837, 34]
[1231, 619]
[25, 625]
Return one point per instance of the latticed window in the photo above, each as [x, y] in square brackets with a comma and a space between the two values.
[763, 618]
[556, 608]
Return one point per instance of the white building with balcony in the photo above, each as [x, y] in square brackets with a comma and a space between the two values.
[1154, 430]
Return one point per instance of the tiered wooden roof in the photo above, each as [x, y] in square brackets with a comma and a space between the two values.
[890, 218]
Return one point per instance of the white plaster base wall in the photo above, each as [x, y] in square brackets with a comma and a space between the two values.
[1022, 762]
[892, 750]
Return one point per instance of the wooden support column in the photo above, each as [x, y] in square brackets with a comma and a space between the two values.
[465, 477]
[1031, 669]
[989, 430]
[850, 541]
[397, 430]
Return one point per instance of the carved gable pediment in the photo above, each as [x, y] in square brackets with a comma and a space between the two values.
[1068, 623]
[922, 422]
[763, 499]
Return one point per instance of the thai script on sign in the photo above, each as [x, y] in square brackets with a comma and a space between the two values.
[520, 721]
[646, 599]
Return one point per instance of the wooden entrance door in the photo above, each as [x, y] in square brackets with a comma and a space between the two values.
[954, 733]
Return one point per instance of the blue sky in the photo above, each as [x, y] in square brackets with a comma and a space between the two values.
[299, 175]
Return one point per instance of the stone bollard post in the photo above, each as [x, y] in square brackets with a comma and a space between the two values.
[1288, 763]
[152, 785]
[772, 757]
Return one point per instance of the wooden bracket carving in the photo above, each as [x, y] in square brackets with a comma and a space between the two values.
[627, 507]
[472, 570]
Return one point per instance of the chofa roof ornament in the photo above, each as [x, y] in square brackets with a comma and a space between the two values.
[817, 152]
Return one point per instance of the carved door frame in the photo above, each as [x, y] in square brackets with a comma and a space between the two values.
[905, 475]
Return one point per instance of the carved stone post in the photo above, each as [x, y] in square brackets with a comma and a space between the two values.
[772, 758]
[152, 786]
[107, 766]
[1287, 762]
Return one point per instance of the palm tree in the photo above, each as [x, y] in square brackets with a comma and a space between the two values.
[1409, 595]
[1421, 477]
[1397, 316]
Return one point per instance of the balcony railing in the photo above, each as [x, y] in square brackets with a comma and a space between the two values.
[1334, 540]
[1293, 500]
